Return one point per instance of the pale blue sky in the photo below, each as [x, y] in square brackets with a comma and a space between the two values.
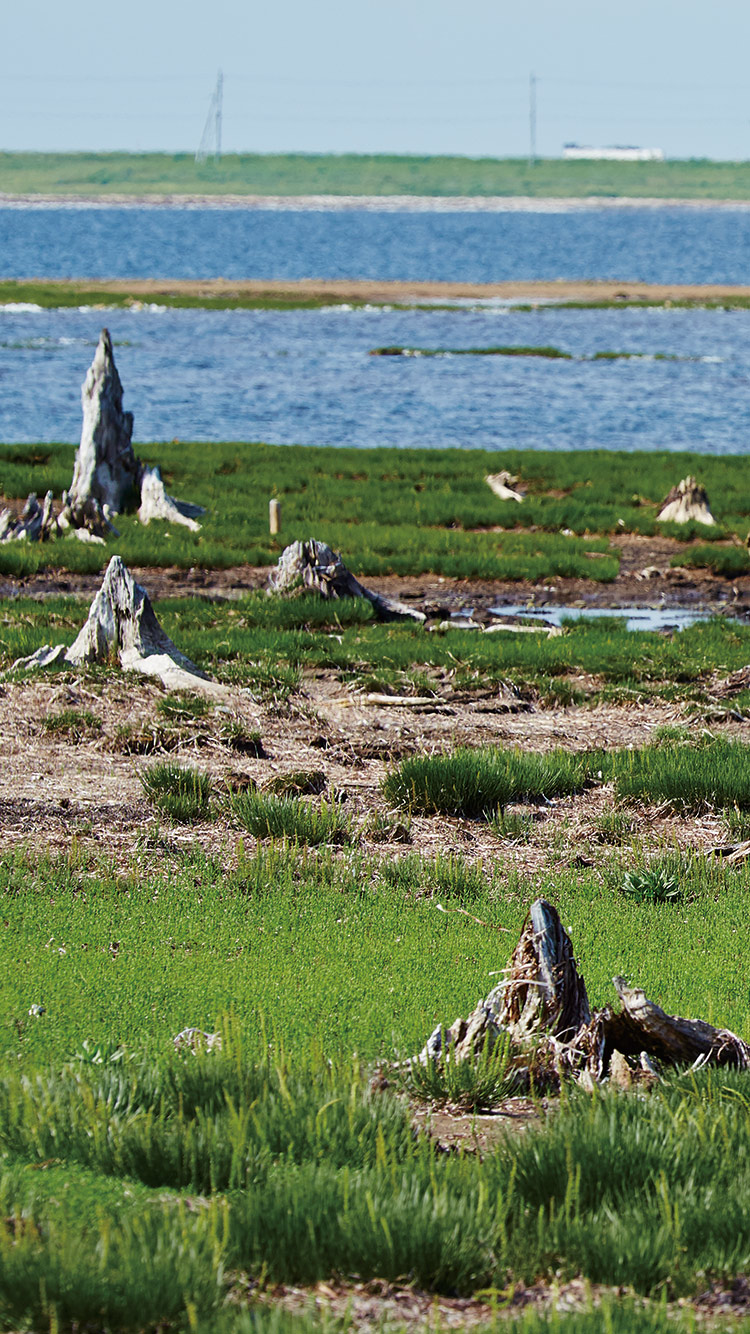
[413, 76]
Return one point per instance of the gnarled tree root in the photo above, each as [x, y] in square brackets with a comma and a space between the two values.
[541, 1013]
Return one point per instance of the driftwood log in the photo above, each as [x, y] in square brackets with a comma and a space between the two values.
[541, 1011]
[122, 625]
[686, 502]
[315, 566]
[504, 485]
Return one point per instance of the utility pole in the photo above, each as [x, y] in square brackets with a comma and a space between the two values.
[210, 144]
[532, 119]
[218, 98]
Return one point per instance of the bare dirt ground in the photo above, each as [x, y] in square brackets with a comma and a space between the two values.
[645, 579]
[349, 289]
[54, 786]
[389, 1306]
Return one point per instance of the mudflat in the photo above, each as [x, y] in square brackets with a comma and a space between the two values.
[380, 291]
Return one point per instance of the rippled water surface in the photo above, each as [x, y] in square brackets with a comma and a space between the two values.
[307, 377]
[685, 245]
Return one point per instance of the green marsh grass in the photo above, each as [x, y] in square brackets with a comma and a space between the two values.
[91, 173]
[295, 819]
[552, 353]
[388, 510]
[714, 774]
[727, 561]
[181, 792]
[266, 644]
[475, 782]
[469, 1086]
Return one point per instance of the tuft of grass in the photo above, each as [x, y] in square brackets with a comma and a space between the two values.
[292, 818]
[475, 782]
[512, 826]
[729, 562]
[183, 794]
[466, 1086]
[298, 783]
[615, 826]
[382, 827]
[146, 739]
[74, 724]
[737, 824]
[688, 778]
[245, 740]
[182, 706]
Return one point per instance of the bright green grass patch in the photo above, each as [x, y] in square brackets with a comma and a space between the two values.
[298, 935]
[689, 778]
[265, 815]
[388, 510]
[727, 561]
[265, 643]
[75, 724]
[475, 782]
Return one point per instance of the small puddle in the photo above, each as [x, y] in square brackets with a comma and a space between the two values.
[636, 618]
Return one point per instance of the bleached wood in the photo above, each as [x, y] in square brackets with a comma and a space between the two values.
[156, 504]
[106, 469]
[687, 502]
[314, 565]
[504, 485]
[541, 1011]
[121, 625]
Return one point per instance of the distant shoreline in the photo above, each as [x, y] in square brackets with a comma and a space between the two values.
[327, 203]
[259, 293]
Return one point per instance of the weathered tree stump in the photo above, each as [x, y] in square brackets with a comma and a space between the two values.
[36, 523]
[156, 504]
[315, 566]
[106, 469]
[687, 502]
[107, 475]
[122, 626]
[541, 1013]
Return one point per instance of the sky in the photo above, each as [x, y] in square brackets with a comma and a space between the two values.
[368, 76]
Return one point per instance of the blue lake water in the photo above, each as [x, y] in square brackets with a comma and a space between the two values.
[307, 377]
[672, 244]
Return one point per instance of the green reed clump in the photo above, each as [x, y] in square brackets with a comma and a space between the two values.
[474, 782]
[715, 773]
[181, 706]
[268, 816]
[152, 1269]
[470, 1086]
[184, 794]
